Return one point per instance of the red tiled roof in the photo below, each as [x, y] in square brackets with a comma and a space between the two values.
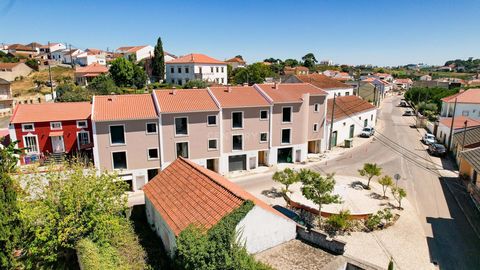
[92, 68]
[236, 59]
[322, 81]
[186, 193]
[123, 107]
[238, 96]
[195, 58]
[459, 122]
[290, 92]
[130, 49]
[347, 106]
[406, 81]
[185, 100]
[21, 47]
[467, 96]
[9, 65]
[46, 112]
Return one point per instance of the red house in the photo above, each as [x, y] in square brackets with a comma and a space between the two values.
[52, 129]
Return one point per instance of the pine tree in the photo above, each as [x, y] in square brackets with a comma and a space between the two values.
[158, 62]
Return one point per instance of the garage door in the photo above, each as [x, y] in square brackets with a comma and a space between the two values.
[237, 163]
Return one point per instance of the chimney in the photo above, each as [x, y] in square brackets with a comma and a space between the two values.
[275, 85]
[229, 89]
[173, 91]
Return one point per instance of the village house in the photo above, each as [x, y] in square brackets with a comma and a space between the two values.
[172, 203]
[196, 67]
[6, 99]
[298, 70]
[470, 168]
[87, 58]
[459, 123]
[383, 76]
[236, 62]
[85, 75]
[138, 52]
[331, 86]
[12, 71]
[23, 50]
[368, 91]
[468, 104]
[403, 84]
[52, 129]
[337, 75]
[52, 47]
[465, 139]
[425, 78]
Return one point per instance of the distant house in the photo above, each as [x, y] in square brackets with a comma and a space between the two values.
[24, 50]
[470, 167]
[350, 116]
[87, 58]
[384, 76]
[403, 84]
[298, 70]
[196, 66]
[84, 75]
[172, 203]
[52, 47]
[382, 87]
[139, 52]
[6, 100]
[11, 71]
[426, 78]
[445, 124]
[236, 62]
[332, 86]
[468, 104]
[366, 90]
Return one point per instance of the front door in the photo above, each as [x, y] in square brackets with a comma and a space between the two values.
[334, 139]
[57, 144]
[352, 131]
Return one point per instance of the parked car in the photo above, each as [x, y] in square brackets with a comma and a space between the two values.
[403, 103]
[291, 215]
[436, 149]
[367, 132]
[428, 139]
[408, 113]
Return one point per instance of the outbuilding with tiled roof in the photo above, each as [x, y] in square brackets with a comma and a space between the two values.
[332, 86]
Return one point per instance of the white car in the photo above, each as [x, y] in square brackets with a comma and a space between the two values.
[428, 139]
[367, 132]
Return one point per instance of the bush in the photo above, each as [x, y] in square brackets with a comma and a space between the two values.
[373, 222]
[340, 221]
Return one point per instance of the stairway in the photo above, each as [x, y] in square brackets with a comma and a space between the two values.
[54, 158]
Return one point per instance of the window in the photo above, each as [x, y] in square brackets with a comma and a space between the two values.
[286, 135]
[117, 134]
[211, 69]
[172, 70]
[187, 70]
[287, 114]
[212, 120]
[263, 137]
[347, 93]
[465, 113]
[182, 149]
[200, 69]
[217, 69]
[119, 160]
[83, 138]
[371, 117]
[151, 173]
[315, 127]
[237, 142]
[179, 70]
[179, 82]
[151, 128]
[316, 107]
[30, 143]
[173, 80]
[181, 126]
[212, 144]
[237, 120]
[222, 69]
[223, 81]
[264, 115]
[55, 125]
[82, 124]
[152, 153]
[28, 127]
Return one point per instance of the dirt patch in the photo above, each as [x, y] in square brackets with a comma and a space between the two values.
[27, 86]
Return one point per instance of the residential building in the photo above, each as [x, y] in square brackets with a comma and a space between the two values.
[464, 139]
[384, 76]
[298, 70]
[11, 71]
[470, 169]
[297, 120]
[236, 62]
[84, 75]
[368, 92]
[382, 88]
[138, 52]
[403, 84]
[51, 129]
[87, 58]
[468, 104]
[326, 63]
[445, 124]
[52, 47]
[24, 50]
[6, 99]
[331, 86]
[189, 125]
[185, 193]
[69, 56]
[425, 78]
[196, 67]
[350, 115]
[126, 137]
[244, 122]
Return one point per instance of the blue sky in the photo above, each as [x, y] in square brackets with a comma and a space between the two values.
[349, 32]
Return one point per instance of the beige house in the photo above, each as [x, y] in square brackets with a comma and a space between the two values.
[11, 71]
[126, 137]
[6, 100]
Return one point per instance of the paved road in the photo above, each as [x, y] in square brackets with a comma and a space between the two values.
[397, 149]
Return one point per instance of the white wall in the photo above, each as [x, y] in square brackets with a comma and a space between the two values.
[342, 126]
[466, 109]
[339, 92]
[206, 73]
[260, 230]
[160, 227]
[144, 53]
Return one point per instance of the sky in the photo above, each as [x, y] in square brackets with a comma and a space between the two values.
[378, 32]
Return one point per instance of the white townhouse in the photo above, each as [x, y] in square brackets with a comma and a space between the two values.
[468, 104]
[196, 67]
[140, 52]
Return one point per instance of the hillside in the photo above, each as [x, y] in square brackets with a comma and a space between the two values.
[29, 85]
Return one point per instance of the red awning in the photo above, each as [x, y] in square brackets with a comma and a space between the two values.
[56, 133]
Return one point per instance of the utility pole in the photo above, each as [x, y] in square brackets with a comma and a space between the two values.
[464, 133]
[49, 56]
[375, 95]
[331, 124]
[71, 55]
[451, 125]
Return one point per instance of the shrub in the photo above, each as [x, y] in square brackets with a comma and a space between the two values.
[340, 221]
[373, 221]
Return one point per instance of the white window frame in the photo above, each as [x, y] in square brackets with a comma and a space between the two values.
[110, 135]
[289, 139]
[188, 148]
[175, 126]
[57, 122]
[151, 133]
[243, 143]
[291, 114]
[264, 119]
[216, 120]
[208, 144]
[316, 107]
[126, 159]
[266, 141]
[82, 121]
[36, 140]
[88, 136]
[242, 120]
[27, 130]
[148, 153]
[315, 125]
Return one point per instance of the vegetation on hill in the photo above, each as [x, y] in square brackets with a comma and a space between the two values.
[37, 81]
[470, 65]
[428, 99]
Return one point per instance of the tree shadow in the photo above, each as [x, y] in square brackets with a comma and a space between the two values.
[272, 193]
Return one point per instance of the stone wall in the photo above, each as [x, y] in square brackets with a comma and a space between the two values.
[321, 240]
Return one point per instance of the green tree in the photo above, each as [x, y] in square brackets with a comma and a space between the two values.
[158, 62]
[195, 83]
[309, 61]
[139, 78]
[122, 72]
[390, 264]
[69, 92]
[318, 189]
[103, 85]
[386, 181]
[370, 170]
[286, 177]
[291, 62]
[398, 193]
[254, 73]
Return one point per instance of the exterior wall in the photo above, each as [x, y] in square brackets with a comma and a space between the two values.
[465, 109]
[342, 126]
[6, 101]
[261, 230]
[339, 92]
[297, 125]
[443, 134]
[316, 118]
[206, 73]
[161, 228]
[143, 53]
[17, 71]
[197, 138]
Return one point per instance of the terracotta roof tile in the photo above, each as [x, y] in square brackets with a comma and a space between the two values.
[235, 59]
[289, 92]
[238, 96]
[9, 65]
[324, 82]
[130, 49]
[123, 107]
[185, 100]
[195, 58]
[347, 106]
[459, 122]
[46, 112]
[186, 193]
[92, 68]
[467, 96]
